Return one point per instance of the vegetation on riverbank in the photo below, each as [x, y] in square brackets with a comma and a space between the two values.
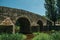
[45, 36]
[37, 36]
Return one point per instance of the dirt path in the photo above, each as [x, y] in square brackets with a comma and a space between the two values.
[29, 36]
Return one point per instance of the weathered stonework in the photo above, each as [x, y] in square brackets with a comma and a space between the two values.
[14, 14]
[24, 18]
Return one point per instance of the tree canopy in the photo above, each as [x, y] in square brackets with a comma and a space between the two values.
[51, 12]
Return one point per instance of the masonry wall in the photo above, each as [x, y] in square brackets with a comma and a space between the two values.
[14, 13]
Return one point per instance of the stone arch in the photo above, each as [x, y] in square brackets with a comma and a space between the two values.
[40, 23]
[24, 24]
[25, 16]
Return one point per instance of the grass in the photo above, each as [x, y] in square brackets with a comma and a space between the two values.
[45, 36]
[41, 36]
[37, 36]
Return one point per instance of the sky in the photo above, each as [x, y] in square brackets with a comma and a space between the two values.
[35, 6]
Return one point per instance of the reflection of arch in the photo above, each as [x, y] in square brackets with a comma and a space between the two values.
[24, 24]
[40, 25]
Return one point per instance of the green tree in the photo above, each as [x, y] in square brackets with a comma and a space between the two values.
[50, 7]
[58, 9]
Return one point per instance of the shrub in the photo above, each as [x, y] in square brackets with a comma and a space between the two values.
[12, 37]
[42, 36]
[17, 28]
[55, 35]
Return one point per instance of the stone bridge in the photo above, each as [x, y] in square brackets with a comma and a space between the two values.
[23, 18]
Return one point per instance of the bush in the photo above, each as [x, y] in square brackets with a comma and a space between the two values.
[42, 36]
[12, 37]
[37, 36]
[55, 35]
[17, 29]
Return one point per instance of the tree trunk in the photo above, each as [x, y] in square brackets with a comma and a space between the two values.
[54, 24]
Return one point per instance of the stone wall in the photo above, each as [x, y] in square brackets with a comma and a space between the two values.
[14, 14]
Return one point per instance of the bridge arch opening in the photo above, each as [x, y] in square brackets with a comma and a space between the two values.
[24, 24]
[40, 25]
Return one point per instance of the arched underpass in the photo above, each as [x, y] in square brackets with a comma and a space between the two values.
[6, 29]
[41, 28]
[24, 24]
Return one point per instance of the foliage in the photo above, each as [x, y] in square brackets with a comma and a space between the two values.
[44, 36]
[51, 10]
[12, 37]
[38, 36]
[17, 28]
[55, 36]
[58, 9]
